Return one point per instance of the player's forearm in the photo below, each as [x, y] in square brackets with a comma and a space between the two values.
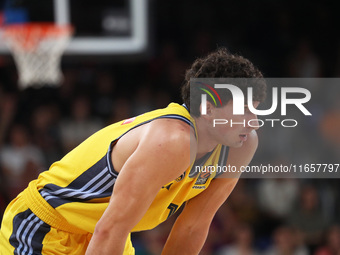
[185, 240]
[112, 230]
[107, 242]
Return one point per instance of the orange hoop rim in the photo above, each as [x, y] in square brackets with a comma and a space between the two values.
[47, 28]
[28, 35]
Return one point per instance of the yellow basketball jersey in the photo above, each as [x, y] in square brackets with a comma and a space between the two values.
[74, 193]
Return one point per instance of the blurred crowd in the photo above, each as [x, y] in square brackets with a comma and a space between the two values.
[271, 216]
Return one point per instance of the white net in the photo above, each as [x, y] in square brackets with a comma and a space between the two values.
[37, 51]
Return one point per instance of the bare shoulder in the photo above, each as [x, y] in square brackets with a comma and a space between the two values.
[161, 136]
[168, 130]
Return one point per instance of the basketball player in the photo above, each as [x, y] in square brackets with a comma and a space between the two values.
[134, 174]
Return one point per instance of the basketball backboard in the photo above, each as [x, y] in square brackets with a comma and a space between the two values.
[101, 27]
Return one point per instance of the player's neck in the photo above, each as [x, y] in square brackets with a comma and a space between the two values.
[205, 142]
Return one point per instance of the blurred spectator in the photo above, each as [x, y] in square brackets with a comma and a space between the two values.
[167, 70]
[143, 100]
[173, 78]
[80, 125]
[8, 104]
[243, 202]
[20, 160]
[243, 243]
[152, 242]
[332, 246]
[214, 239]
[162, 99]
[227, 221]
[203, 43]
[158, 65]
[103, 99]
[46, 132]
[287, 242]
[329, 127]
[121, 110]
[304, 62]
[67, 89]
[271, 193]
[240, 209]
[308, 217]
[4, 197]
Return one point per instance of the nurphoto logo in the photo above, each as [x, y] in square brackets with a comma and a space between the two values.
[300, 97]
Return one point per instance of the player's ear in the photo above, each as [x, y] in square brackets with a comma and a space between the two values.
[207, 110]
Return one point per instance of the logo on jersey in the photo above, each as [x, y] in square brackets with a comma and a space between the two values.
[204, 176]
[167, 186]
[180, 177]
[128, 121]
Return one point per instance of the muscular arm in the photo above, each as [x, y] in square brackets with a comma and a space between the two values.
[161, 155]
[192, 226]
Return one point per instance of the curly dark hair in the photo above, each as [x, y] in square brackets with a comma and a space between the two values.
[221, 64]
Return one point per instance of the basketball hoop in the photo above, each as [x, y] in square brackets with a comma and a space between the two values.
[37, 50]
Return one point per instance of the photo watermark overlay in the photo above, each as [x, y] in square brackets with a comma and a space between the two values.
[296, 120]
